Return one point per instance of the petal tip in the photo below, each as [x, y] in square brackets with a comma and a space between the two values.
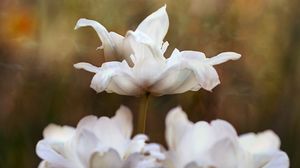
[81, 23]
[236, 55]
[78, 24]
[77, 66]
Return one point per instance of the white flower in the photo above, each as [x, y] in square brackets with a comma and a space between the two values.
[203, 145]
[144, 67]
[96, 143]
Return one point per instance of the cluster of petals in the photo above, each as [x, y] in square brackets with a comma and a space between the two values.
[217, 145]
[97, 143]
[143, 68]
[105, 142]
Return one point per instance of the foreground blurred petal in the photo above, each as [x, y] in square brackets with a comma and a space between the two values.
[279, 160]
[201, 145]
[110, 159]
[263, 142]
[123, 119]
[177, 124]
[190, 142]
[45, 151]
[97, 142]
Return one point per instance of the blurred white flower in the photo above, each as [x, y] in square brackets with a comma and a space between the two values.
[97, 143]
[144, 67]
[217, 145]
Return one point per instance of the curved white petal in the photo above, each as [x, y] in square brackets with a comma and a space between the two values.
[151, 32]
[142, 42]
[155, 25]
[186, 70]
[116, 77]
[174, 81]
[223, 57]
[45, 151]
[86, 66]
[107, 43]
[175, 78]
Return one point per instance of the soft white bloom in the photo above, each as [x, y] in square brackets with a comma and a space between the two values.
[97, 143]
[144, 67]
[217, 145]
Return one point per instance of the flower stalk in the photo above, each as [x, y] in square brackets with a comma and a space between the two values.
[142, 121]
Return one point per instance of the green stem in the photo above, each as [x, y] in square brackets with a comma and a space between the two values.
[143, 114]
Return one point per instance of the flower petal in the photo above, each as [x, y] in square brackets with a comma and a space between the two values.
[58, 133]
[187, 70]
[279, 160]
[222, 154]
[224, 130]
[86, 66]
[88, 122]
[122, 47]
[110, 135]
[155, 25]
[176, 125]
[108, 44]
[115, 77]
[86, 144]
[258, 143]
[47, 153]
[123, 119]
[223, 57]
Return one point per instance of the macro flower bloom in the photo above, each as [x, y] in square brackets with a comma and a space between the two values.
[97, 143]
[217, 145]
[143, 67]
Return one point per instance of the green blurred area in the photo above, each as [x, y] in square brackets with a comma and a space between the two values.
[38, 84]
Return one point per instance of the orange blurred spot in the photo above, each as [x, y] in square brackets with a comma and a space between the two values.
[18, 23]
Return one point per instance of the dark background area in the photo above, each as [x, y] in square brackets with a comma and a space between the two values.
[38, 84]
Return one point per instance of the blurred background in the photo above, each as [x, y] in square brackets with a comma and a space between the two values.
[38, 84]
